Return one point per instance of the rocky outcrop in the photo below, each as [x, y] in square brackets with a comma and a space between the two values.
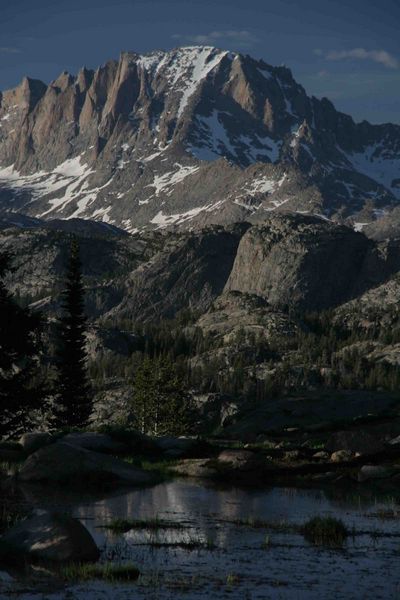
[188, 273]
[48, 537]
[304, 261]
[236, 314]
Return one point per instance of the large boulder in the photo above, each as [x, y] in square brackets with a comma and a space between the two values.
[99, 442]
[34, 440]
[360, 442]
[239, 460]
[50, 537]
[67, 464]
[375, 472]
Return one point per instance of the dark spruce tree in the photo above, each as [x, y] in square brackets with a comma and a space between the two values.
[74, 403]
[21, 393]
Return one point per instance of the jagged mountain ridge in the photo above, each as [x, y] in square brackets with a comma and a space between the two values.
[189, 137]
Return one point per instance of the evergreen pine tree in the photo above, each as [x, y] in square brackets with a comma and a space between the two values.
[74, 402]
[160, 403]
[20, 346]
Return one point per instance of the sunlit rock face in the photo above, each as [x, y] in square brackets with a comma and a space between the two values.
[189, 137]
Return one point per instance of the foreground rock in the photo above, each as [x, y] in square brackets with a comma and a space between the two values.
[49, 537]
[67, 464]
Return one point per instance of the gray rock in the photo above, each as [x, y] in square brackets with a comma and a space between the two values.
[395, 441]
[374, 472]
[66, 464]
[31, 442]
[341, 456]
[241, 460]
[196, 467]
[321, 455]
[49, 537]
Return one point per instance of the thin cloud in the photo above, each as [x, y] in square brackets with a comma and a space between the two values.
[381, 57]
[242, 38]
[9, 50]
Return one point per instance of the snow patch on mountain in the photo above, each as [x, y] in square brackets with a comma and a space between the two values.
[212, 141]
[202, 62]
[373, 164]
[163, 220]
[171, 178]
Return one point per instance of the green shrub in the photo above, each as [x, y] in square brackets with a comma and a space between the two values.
[325, 531]
[106, 572]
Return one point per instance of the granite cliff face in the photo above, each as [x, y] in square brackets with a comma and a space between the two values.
[307, 262]
[187, 138]
[290, 261]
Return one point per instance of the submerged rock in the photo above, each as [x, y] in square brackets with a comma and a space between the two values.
[50, 537]
[67, 464]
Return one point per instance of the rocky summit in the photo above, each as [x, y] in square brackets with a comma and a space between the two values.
[187, 138]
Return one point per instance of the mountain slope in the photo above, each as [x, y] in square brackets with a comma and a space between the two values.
[189, 137]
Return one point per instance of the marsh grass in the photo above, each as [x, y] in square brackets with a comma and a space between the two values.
[386, 514]
[191, 544]
[266, 543]
[107, 572]
[325, 531]
[162, 469]
[10, 468]
[278, 526]
[232, 579]
[10, 515]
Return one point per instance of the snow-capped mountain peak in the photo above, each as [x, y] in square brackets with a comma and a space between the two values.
[188, 136]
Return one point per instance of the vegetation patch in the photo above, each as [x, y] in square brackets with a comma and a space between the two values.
[325, 531]
[279, 526]
[107, 572]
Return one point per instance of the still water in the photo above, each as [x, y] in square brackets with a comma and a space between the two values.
[228, 560]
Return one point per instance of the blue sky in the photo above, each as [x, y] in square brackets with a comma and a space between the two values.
[347, 51]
